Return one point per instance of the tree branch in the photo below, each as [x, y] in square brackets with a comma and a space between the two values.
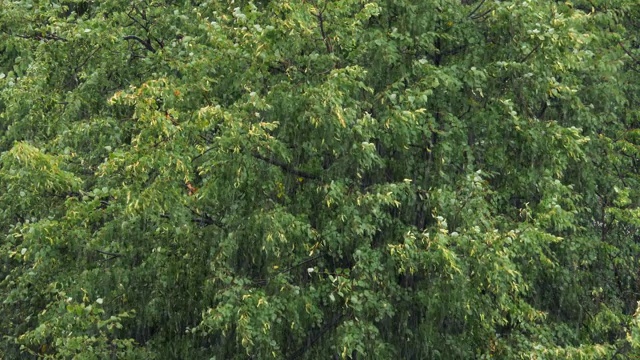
[202, 154]
[42, 37]
[476, 17]
[315, 336]
[474, 11]
[298, 264]
[110, 255]
[629, 53]
[635, 60]
[146, 44]
[531, 53]
[286, 167]
[265, 281]
[320, 17]
[142, 15]
[206, 219]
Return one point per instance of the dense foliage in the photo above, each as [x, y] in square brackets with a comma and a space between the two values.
[315, 179]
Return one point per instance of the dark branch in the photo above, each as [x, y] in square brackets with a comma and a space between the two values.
[476, 9]
[479, 16]
[325, 39]
[307, 260]
[286, 167]
[142, 15]
[531, 53]
[315, 336]
[202, 154]
[635, 60]
[629, 53]
[262, 282]
[110, 255]
[543, 110]
[84, 62]
[145, 43]
[42, 37]
[206, 219]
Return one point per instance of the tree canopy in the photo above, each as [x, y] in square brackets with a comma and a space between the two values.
[315, 179]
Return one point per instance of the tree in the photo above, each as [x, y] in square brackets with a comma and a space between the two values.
[317, 179]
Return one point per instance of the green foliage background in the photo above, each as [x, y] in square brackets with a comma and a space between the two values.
[433, 179]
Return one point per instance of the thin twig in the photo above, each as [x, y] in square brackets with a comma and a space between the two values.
[310, 259]
[84, 62]
[202, 154]
[530, 53]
